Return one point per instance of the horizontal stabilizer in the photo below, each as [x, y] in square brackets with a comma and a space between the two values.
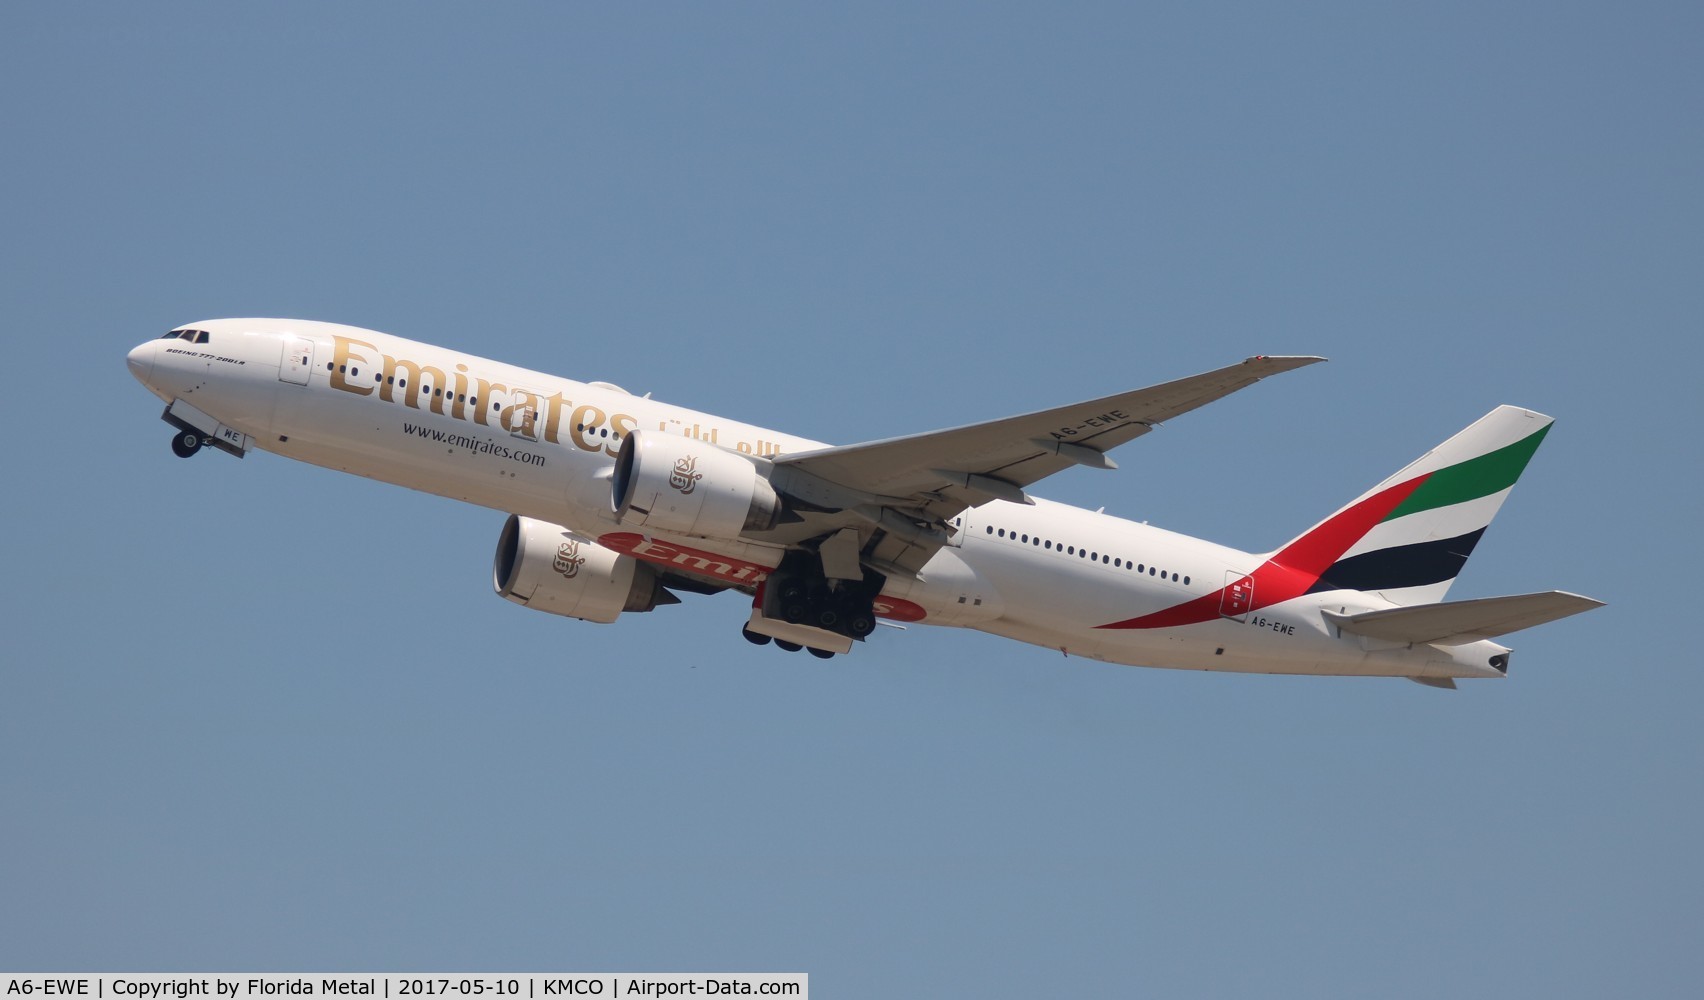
[1456, 623]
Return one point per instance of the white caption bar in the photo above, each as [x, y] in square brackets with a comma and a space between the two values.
[488, 986]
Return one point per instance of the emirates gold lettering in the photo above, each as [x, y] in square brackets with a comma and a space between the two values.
[488, 401]
[585, 423]
[412, 378]
[459, 409]
[401, 380]
[620, 426]
[553, 418]
[345, 357]
[521, 415]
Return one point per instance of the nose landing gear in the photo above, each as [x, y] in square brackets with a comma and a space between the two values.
[193, 429]
[186, 443]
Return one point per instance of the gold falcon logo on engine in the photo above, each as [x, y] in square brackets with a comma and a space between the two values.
[568, 559]
[683, 478]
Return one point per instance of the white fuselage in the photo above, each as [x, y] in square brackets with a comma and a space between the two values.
[541, 446]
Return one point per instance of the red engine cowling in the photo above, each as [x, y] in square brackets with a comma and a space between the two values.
[546, 567]
[666, 482]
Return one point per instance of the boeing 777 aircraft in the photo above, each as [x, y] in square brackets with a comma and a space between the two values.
[616, 502]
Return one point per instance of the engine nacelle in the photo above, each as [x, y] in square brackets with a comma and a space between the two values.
[548, 568]
[666, 482]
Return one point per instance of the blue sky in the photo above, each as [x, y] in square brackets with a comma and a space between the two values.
[263, 716]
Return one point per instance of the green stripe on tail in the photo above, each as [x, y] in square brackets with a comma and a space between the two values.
[1490, 473]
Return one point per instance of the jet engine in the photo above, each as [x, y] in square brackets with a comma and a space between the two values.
[548, 568]
[670, 483]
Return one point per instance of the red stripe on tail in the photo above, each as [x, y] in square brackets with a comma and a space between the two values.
[1294, 568]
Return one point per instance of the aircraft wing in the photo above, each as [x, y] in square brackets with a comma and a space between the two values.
[911, 487]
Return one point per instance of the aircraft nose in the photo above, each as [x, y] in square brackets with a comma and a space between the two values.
[141, 361]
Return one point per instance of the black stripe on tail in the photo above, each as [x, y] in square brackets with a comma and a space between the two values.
[1400, 566]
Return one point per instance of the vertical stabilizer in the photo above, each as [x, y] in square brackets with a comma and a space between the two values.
[1408, 537]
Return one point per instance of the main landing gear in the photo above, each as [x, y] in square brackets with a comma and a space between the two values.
[848, 609]
[759, 639]
[798, 593]
[187, 443]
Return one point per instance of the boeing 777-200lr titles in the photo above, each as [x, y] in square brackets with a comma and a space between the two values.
[616, 502]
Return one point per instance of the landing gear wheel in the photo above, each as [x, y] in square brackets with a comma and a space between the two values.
[821, 654]
[791, 647]
[186, 443]
[755, 638]
[850, 614]
[795, 602]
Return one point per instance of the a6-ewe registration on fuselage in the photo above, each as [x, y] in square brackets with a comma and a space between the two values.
[618, 502]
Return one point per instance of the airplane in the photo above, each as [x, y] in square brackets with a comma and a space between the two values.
[618, 503]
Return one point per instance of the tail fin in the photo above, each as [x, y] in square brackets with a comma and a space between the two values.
[1408, 537]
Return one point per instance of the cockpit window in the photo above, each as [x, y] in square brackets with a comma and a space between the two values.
[201, 336]
[175, 334]
[193, 336]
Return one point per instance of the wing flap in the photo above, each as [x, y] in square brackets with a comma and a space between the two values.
[1456, 623]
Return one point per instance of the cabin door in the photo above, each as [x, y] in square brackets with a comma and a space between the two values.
[298, 360]
[1238, 596]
